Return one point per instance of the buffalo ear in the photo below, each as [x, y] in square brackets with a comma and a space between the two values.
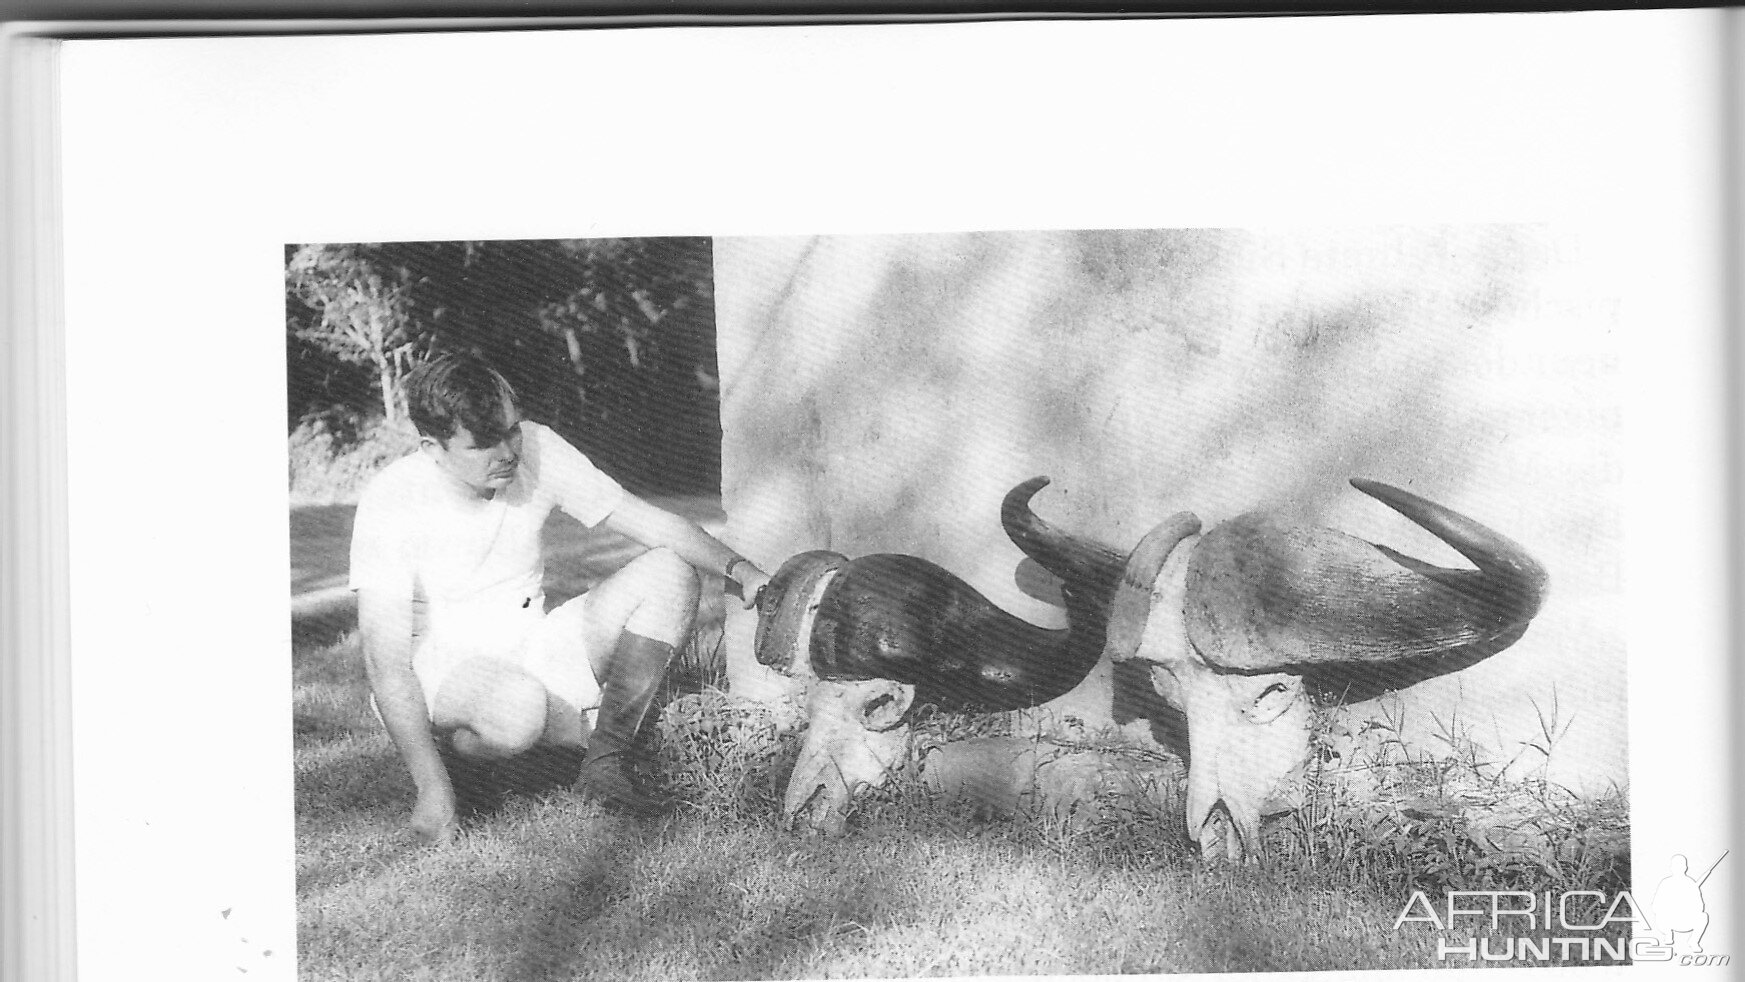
[887, 708]
[1274, 700]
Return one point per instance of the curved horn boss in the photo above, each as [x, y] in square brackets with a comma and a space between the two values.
[1265, 596]
[906, 619]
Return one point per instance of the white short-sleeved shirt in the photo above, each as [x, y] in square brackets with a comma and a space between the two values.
[475, 565]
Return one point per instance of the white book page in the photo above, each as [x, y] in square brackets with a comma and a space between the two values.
[190, 163]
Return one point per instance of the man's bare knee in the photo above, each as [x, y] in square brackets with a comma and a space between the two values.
[506, 714]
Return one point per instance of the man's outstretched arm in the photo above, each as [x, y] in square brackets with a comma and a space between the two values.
[385, 627]
[656, 527]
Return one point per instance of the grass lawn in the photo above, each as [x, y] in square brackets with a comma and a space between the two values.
[543, 885]
[546, 886]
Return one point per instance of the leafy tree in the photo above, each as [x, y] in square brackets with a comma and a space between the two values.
[363, 313]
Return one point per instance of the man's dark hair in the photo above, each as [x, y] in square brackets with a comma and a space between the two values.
[455, 390]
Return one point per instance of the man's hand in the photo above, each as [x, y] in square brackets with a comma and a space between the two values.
[435, 818]
[385, 624]
[751, 583]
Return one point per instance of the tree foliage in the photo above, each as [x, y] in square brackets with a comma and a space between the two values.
[610, 341]
[362, 314]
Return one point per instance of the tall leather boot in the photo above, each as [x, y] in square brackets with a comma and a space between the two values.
[633, 675]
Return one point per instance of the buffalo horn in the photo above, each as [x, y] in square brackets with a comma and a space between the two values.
[1130, 609]
[1088, 568]
[787, 607]
[1263, 595]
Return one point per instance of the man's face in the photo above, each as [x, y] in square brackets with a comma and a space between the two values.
[484, 470]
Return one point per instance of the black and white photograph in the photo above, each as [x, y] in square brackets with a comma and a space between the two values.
[1083, 589]
[1062, 507]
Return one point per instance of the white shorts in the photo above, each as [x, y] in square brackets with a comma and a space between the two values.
[551, 647]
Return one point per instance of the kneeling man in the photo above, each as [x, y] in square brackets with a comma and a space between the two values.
[447, 563]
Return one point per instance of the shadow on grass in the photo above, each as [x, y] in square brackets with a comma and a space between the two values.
[324, 624]
[555, 889]
[320, 546]
[683, 901]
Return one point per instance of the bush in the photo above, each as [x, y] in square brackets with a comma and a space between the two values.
[334, 452]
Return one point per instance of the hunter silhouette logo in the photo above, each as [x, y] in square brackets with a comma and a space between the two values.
[1680, 917]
